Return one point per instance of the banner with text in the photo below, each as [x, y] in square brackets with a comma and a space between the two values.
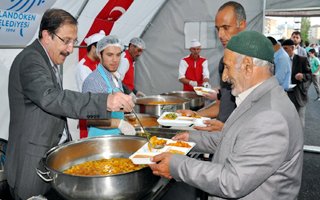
[19, 20]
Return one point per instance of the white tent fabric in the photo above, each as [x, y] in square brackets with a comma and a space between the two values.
[161, 24]
[157, 68]
[292, 4]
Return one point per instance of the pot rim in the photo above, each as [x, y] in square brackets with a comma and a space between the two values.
[61, 146]
[185, 100]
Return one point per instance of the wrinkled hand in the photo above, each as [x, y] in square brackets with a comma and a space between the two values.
[119, 102]
[183, 136]
[206, 85]
[187, 113]
[212, 125]
[162, 168]
[193, 83]
[211, 95]
[126, 128]
[299, 76]
[140, 94]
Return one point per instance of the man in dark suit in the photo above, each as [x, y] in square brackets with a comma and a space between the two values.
[300, 79]
[39, 107]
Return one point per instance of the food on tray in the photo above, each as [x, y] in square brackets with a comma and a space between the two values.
[103, 167]
[142, 156]
[157, 142]
[200, 89]
[179, 144]
[175, 151]
[193, 115]
[170, 116]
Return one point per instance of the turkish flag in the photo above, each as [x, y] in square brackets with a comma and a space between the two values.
[109, 14]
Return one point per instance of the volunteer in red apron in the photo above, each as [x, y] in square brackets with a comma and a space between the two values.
[106, 79]
[126, 68]
[193, 69]
[85, 67]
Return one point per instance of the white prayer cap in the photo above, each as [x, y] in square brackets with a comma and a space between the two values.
[107, 41]
[195, 43]
[94, 38]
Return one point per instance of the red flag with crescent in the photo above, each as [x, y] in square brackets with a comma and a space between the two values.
[109, 14]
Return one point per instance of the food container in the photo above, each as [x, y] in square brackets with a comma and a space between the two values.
[157, 104]
[196, 101]
[132, 185]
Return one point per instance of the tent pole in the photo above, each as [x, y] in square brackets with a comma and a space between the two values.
[84, 4]
[154, 16]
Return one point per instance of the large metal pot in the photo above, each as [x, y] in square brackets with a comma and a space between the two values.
[157, 104]
[132, 185]
[196, 101]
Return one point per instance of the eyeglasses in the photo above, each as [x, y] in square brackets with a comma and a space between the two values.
[67, 41]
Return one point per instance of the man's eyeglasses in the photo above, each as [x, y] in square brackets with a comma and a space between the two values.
[67, 41]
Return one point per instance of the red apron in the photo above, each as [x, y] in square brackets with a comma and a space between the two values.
[194, 71]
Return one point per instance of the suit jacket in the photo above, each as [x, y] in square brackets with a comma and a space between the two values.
[259, 154]
[299, 96]
[38, 111]
[227, 100]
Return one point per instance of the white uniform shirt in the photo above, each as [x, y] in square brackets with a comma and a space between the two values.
[123, 66]
[82, 71]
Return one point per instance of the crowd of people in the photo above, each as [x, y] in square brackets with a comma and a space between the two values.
[256, 137]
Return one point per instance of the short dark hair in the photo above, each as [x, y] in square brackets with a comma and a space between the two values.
[296, 33]
[281, 40]
[273, 41]
[312, 51]
[90, 46]
[54, 18]
[238, 8]
[288, 42]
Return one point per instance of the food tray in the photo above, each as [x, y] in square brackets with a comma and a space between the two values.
[179, 121]
[202, 90]
[144, 155]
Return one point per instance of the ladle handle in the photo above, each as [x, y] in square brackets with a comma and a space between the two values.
[144, 130]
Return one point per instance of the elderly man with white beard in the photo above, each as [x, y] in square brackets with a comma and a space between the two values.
[260, 152]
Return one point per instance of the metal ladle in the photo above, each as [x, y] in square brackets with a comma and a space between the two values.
[146, 133]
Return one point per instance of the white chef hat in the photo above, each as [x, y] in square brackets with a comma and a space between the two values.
[138, 42]
[94, 37]
[195, 43]
[106, 41]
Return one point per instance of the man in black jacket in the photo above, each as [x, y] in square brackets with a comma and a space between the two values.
[300, 79]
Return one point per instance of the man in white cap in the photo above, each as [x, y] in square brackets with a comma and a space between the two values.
[193, 69]
[126, 68]
[85, 67]
[90, 61]
[106, 79]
